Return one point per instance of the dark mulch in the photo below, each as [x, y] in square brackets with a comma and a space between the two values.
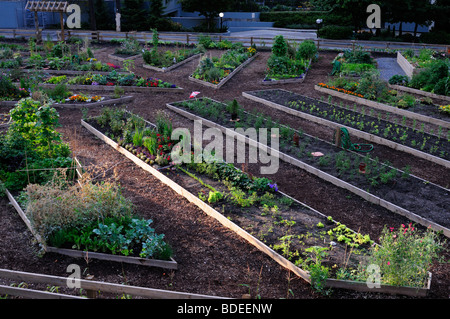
[213, 260]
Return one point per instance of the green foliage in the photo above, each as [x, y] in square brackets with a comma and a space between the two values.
[37, 123]
[404, 256]
[279, 46]
[60, 50]
[433, 78]
[8, 91]
[399, 79]
[233, 107]
[335, 32]
[102, 221]
[357, 55]
[307, 50]
[130, 46]
[304, 19]
[371, 85]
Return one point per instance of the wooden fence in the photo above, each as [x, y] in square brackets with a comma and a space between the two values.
[261, 42]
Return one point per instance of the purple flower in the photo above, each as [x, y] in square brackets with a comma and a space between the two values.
[273, 186]
[94, 83]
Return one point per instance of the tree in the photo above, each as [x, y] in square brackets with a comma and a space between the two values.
[207, 8]
[104, 18]
[92, 15]
[135, 16]
[439, 14]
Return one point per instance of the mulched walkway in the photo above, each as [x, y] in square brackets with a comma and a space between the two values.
[213, 260]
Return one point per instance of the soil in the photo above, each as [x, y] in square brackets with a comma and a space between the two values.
[426, 200]
[414, 137]
[213, 260]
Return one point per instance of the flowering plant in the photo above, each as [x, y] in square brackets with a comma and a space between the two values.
[340, 90]
[404, 256]
[445, 109]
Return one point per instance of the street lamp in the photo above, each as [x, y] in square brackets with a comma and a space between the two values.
[318, 21]
[221, 20]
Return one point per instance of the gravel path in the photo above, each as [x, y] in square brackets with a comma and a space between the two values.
[389, 67]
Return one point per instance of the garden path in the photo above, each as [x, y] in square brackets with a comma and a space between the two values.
[389, 67]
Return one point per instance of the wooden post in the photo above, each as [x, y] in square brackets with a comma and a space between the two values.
[251, 41]
[38, 32]
[337, 140]
[187, 39]
[62, 26]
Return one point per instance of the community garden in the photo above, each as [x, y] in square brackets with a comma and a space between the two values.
[89, 159]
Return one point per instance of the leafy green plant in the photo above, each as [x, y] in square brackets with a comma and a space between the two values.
[306, 50]
[404, 256]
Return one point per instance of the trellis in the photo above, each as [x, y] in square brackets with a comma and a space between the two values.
[47, 6]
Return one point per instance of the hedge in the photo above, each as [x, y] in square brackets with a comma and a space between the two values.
[283, 19]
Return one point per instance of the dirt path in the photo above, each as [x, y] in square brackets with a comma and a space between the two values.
[213, 260]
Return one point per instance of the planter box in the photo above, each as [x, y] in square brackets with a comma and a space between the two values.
[248, 237]
[388, 289]
[317, 172]
[69, 72]
[166, 264]
[419, 92]
[78, 87]
[385, 107]
[170, 68]
[119, 58]
[298, 79]
[407, 67]
[70, 105]
[361, 134]
[225, 79]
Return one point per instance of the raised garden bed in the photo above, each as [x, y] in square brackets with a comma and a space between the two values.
[352, 63]
[399, 137]
[406, 66]
[299, 79]
[79, 87]
[429, 115]
[79, 105]
[166, 264]
[69, 72]
[402, 195]
[98, 82]
[173, 66]
[123, 57]
[291, 221]
[419, 92]
[227, 77]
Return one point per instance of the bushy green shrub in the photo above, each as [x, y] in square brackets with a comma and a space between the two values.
[279, 47]
[434, 78]
[335, 32]
[399, 79]
[435, 37]
[307, 50]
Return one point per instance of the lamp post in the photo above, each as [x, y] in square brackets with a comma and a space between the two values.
[318, 21]
[221, 20]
